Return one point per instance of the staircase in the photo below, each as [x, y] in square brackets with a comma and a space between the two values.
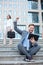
[9, 54]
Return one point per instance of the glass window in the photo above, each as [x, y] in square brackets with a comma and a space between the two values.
[21, 27]
[41, 4]
[5, 21]
[5, 0]
[33, 4]
[14, 12]
[12, 0]
[5, 5]
[33, 17]
[0, 12]
[42, 17]
[10, 12]
[1, 0]
[14, 5]
[5, 12]
[36, 30]
[10, 5]
[1, 35]
[1, 5]
[0, 19]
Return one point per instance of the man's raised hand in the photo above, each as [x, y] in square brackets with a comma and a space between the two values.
[17, 18]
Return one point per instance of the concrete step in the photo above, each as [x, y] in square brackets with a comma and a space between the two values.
[9, 45]
[15, 52]
[15, 45]
[36, 62]
[13, 49]
[18, 40]
[18, 57]
[9, 55]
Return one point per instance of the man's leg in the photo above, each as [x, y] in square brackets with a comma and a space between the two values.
[24, 51]
[34, 50]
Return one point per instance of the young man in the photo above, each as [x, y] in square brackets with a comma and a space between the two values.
[27, 47]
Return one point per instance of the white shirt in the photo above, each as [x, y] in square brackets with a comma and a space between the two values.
[26, 42]
[10, 24]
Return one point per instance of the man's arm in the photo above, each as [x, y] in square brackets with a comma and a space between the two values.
[17, 29]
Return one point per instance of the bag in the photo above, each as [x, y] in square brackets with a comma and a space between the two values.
[11, 34]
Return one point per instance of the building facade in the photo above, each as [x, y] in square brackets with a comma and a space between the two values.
[28, 11]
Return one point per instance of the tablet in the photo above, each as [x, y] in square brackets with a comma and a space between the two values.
[33, 35]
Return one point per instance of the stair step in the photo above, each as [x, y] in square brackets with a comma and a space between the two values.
[18, 57]
[15, 53]
[36, 62]
[18, 40]
[10, 49]
[15, 45]
[11, 57]
[9, 54]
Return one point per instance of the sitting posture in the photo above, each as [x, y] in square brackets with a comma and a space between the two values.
[27, 47]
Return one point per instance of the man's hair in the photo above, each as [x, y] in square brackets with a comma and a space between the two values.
[31, 25]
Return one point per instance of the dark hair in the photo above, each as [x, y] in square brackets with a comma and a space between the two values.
[31, 25]
[9, 16]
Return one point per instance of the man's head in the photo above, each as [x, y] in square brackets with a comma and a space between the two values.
[31, 28]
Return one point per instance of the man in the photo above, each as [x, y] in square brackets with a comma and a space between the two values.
[27, 47]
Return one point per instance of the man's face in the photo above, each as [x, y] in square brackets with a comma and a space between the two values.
[31, 29]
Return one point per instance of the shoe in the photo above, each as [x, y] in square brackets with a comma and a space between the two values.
[25, 59]
[28, 60]
[32, 60]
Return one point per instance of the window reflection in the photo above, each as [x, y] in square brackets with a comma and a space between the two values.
[0, 12]
[21, 27]
[33, 17]
[33, 4]
[0, 5]
[1, 0]
[36, 30]
[42, 17]
[41, 4]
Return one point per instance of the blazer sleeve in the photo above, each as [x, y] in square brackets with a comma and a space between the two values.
[17, 29]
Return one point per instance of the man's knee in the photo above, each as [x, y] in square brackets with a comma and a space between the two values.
[39, 47]
[19, 46]
[35, 49]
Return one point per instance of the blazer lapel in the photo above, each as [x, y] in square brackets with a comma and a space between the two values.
[24, 36]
